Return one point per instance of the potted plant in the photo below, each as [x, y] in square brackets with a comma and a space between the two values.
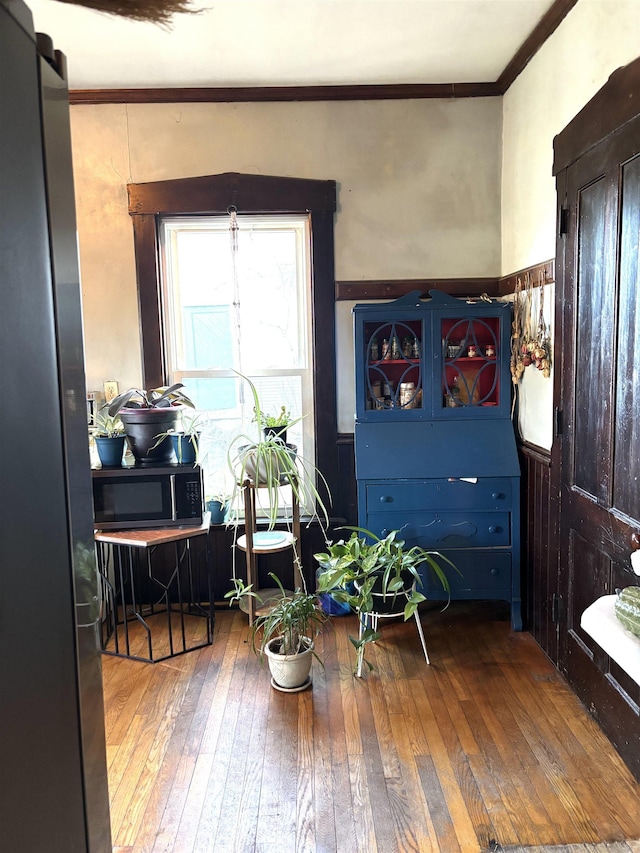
[185, 442]
[271, 464]
[376, 576]
[218, 506]
[284, 633]
[274, 425]
[108, 434]
[148, 414]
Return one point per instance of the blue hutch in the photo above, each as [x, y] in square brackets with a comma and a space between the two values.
[435, 448]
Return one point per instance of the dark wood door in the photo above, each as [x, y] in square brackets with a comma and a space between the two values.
[600, 416]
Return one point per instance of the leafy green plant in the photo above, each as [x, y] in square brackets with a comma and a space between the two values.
[282, 419]
[192, 424]
[105, 425]
[220, 486]
[155, 398]
[292, 617]
[355, 569]
[270, 464]
[189, 432]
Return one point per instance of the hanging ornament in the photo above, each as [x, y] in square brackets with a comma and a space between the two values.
[518, 346]
[529, 348]
[542, 343]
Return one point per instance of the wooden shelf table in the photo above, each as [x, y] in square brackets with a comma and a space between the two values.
[255, 542]
[152, 612]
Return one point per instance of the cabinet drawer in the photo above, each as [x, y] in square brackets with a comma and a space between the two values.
[483, 574]
[446, 529]
[487, 493]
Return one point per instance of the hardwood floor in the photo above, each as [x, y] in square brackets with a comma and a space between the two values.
[486, 749]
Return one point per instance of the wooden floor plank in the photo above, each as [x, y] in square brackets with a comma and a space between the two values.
[165, 787]
[414, 826]
[459, 812]
[344, 813]
[366, 840]
[317, 727]
[232, 757]
[153, 744]
[484, 749]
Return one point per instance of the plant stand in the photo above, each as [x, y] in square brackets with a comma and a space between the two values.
[370, 619]
[255, 542]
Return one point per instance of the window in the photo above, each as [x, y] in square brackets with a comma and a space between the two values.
[150, 203]
[236, 296]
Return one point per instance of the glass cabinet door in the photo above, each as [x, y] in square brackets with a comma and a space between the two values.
[441, 358]
[471, 358]
[393, 370]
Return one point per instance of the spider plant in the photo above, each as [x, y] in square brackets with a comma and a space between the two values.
[271, 464]
[293, 619]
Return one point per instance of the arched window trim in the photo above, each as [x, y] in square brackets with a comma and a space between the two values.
[249, 194]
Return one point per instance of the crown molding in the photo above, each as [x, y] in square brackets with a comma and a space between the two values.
[246, 94]
[250, 94]
[548, 24]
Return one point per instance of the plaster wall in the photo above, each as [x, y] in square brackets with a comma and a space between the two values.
[418, 196]
[595, 38]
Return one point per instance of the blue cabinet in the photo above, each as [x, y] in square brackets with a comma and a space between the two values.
[435, 448]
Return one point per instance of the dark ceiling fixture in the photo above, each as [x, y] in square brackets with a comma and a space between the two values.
[155, 11]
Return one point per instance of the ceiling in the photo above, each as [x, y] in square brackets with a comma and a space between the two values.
[244, 43]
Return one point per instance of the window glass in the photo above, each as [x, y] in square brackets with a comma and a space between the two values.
[243, 309]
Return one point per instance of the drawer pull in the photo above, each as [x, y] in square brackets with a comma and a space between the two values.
[495, 572]
[386, 499]
[493, 528]
[384, 533]
[496, 495]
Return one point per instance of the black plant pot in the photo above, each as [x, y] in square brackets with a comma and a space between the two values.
[275, 432]
[110, 450]
[142, 426]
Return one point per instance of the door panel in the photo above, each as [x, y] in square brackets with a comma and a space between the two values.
[594, 569]
[626, 480]
[595, 287]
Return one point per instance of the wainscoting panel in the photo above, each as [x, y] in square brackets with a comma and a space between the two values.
[539, 548]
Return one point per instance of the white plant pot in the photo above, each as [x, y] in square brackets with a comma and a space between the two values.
[289, 673]
[252, 460]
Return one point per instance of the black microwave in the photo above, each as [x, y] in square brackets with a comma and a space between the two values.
[168, 496]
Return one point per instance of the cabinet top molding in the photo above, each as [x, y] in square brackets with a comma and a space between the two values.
[437, 298]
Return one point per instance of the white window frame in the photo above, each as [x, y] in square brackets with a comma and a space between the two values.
[169, 226]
